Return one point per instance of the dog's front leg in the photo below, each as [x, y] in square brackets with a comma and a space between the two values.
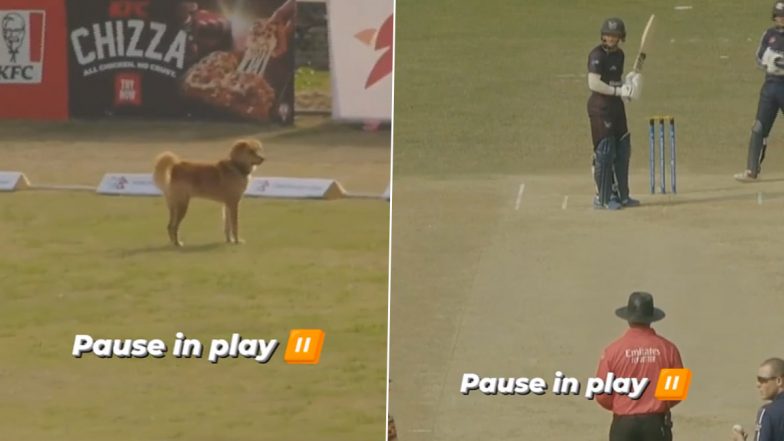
[234, 208]
[227, 223]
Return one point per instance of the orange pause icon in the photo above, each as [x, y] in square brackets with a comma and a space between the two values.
[304, 346]
[673, 384]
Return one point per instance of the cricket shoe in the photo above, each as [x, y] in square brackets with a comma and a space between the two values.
[612, 205]
[628, 202]
[746, 176]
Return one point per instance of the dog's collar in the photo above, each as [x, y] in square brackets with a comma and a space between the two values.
[244, 169]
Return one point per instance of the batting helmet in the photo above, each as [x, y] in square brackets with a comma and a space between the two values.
[778, 10]
[615, 26]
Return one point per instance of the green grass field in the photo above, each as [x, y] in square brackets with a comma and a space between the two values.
[500, 265]
[79, 263]
[308, 79]
[313, 90]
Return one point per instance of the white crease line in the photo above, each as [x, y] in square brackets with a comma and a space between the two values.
[420, 431]
[519, 196]
[565, 201]
[759, 198]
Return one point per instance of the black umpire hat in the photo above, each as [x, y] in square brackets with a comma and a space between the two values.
[640, 309]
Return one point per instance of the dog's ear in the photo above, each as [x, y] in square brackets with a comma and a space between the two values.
[241, 144]
[239, 147]
[257, 146]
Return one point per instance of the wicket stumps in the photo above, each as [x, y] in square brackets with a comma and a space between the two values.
[662, 152]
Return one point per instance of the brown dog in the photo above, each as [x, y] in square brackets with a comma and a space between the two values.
[224, 181]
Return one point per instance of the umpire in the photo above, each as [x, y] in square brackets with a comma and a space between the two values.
[639, 353]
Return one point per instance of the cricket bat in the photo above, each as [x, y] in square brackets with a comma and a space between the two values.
[645, 37]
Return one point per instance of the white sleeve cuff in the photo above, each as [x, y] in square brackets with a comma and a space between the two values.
[596, 84]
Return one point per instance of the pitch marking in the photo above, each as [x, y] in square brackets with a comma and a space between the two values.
[519, 196]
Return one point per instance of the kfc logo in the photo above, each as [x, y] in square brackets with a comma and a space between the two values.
[21, 54]
[13, 26]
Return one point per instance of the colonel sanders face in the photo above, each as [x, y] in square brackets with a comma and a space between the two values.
[13, 26]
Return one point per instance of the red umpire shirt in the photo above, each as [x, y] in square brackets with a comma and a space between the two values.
[639, 353]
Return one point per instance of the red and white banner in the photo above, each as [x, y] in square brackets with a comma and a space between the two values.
[361, 51]
[22, 48]
[33, 73]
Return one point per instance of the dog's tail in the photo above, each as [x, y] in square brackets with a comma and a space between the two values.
[163, 167]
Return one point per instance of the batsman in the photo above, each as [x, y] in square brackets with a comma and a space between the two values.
[607, 114]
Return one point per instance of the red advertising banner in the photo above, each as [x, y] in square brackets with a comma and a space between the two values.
[33, 60]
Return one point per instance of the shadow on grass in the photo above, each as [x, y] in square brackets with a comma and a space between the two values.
[186, 249]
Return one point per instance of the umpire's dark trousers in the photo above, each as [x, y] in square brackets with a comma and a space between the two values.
[649, 427]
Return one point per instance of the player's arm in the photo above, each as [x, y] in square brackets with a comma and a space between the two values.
[769, 59]
[629, 89]
[596, 84]
[765, 424]
[762, 62]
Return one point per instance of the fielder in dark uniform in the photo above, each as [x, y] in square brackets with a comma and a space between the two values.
[606, 111]
[770, 417]
[770, 56]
